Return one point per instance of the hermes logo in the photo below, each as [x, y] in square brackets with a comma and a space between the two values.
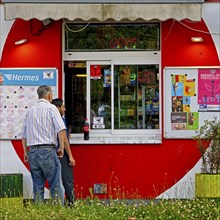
[16, 77]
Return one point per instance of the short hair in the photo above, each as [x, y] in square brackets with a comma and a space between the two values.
[42, 91]
[57, 102]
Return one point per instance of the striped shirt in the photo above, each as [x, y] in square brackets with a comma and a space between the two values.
[42, 124]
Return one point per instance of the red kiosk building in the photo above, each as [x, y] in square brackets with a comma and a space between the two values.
[135, 69]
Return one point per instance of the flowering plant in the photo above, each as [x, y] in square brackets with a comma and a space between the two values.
[208, 142]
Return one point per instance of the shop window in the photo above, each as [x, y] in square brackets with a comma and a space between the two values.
[112, 77]
[117, 99]
[136, 97]
[112, 37]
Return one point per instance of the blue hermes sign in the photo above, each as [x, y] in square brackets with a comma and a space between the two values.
[29, 77]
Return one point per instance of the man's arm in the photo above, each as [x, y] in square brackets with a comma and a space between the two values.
[61, 137]
[24, 144]
[68, 151]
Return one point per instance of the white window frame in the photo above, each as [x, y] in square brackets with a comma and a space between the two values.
[117, 136]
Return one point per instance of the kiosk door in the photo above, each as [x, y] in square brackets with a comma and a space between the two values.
[99, 94]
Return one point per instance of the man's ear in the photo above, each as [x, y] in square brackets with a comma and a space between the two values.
[50, 97]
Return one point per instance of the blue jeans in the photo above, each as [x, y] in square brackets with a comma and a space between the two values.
[45, 165]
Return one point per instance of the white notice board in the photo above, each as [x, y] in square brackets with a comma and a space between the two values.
[18, 92]
[191, 96]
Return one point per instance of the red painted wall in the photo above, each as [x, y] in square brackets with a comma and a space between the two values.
[212, 0]
[43, 49]
[178, 50]
[130, 170]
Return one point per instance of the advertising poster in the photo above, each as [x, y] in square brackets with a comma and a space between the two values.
[18, 92]
[177, 84]
[186, 104]
[191, 96]
[95, 71]
[209, 89]
[107, 78]
[192, 121]
[189, 87]
[183, 88]
[177, 104]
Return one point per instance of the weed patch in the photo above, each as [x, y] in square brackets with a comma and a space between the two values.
[94, 209]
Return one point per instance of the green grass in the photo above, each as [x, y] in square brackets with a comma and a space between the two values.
[89, 209]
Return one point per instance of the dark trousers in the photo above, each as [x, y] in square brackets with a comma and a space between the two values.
[67, 178]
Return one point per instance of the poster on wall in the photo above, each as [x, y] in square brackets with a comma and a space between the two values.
[18, 92]
[192, 95]
[209, 89]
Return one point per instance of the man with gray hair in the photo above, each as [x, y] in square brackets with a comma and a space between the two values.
[42, 125]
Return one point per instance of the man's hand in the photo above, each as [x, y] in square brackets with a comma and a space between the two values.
[24, 144]
[72, 162]
[26, 159]
[60, 152]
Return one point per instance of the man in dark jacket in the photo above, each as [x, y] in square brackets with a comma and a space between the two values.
[67, 161]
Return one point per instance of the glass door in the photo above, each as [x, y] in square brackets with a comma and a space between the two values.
[99, 94]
